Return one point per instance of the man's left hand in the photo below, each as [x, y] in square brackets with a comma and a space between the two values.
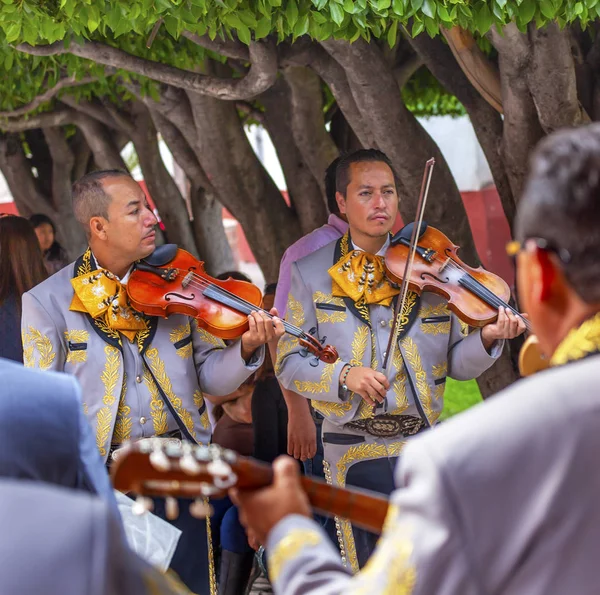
[262, 329]
[507, 326]
[260, 510]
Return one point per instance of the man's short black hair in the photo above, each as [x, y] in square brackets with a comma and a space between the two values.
[561, 204]
[90, 199]
[330, 175]
[342, 178]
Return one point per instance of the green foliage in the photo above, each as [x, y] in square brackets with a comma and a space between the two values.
[424, 96]
[459, 396]
[127, 24]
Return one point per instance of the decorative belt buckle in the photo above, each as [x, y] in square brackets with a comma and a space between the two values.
[383, 426]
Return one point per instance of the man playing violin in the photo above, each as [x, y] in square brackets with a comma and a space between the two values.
[341, 293]
[140, 376]
[504, 497]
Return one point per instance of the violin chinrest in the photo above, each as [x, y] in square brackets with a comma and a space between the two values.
[405, 233]
[162, 255]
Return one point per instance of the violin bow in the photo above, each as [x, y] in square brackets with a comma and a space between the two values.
[414, 239]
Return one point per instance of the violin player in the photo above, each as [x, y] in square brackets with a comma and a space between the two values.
[140, 376]
[341, 293]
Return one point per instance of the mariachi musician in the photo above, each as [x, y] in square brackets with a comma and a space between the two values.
[341, 293]
[141, 376]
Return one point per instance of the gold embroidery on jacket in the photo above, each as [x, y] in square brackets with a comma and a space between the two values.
[33, 340]
[199, 402]
[399, 384]
[323, 386]
[85, 408]
[440, 371]
[178, 334]
[464, 328]
[109, 377]
[76, 336]
[363, 452]
[422, 386]
[332, 316]
[158, 369]
[289, 547]
[103, 423]
[208, 338]
[359, 347]
[157, 406]
[141, 337]
[86, 263]
[212, 576]
[435, 328]
[110, 374]
[388, 569]
[123, 424]
[287, 343]
[345, 538]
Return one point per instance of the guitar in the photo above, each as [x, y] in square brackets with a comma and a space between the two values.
[156, 467]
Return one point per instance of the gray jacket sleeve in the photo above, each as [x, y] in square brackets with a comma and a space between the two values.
[221, 370]
[422, 549]
[467, 357]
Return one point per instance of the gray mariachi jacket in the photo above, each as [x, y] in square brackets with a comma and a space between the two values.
[501, 499]
[173, 362]
[433, 344]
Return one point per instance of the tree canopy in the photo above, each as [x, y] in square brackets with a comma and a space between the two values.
[82, 78]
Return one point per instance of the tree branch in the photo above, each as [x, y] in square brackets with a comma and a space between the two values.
[48, 95]
[230, 49]
[57, 118]
[260, 77]
[97, 112]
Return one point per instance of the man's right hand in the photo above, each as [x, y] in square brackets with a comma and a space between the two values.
[371, 385]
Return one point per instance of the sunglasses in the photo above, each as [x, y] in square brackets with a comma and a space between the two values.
[514, 248]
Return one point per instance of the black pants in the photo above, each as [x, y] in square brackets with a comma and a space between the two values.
[190, 560]
[377, 476]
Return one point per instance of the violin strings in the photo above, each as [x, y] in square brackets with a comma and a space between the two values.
[238, 302]
[480, 290]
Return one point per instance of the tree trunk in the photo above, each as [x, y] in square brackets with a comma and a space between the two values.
[404, 140]
[305, 193]
[207, 211]
[71, 235]
[242, 183]
[101, 141]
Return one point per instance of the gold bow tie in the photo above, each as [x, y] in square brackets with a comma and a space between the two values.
[101, 295]
[361, 277]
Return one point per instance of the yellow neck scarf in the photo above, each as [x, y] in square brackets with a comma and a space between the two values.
[101, 295]
[361, 277]
[579, 342]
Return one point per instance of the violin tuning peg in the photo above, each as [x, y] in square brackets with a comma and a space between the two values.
[200, 509]
[171, 508]
[141, 506]
[159, 460]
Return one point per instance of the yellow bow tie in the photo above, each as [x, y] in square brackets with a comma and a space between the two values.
[101, 295]
[361, 277]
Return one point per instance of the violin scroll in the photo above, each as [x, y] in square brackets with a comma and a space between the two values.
[327, 353]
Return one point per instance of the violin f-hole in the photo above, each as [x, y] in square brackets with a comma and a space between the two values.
[173, 294]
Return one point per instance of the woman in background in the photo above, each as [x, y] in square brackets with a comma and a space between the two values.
[21, 269]
[55, 257]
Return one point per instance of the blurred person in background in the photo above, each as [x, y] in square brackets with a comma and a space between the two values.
[21, 269]
[55, 257]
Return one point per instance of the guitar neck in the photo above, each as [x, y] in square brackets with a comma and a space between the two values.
[364, 509]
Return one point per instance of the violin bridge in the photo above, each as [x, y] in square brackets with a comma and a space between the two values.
[187, 279]
[445, 264]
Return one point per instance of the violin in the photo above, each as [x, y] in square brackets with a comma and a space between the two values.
[474, 295]
[172, 281]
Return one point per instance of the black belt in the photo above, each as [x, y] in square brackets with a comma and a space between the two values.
[388, 426]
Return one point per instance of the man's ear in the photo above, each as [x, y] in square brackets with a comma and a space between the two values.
[341, 201]
[544, 272]
[98, 228]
